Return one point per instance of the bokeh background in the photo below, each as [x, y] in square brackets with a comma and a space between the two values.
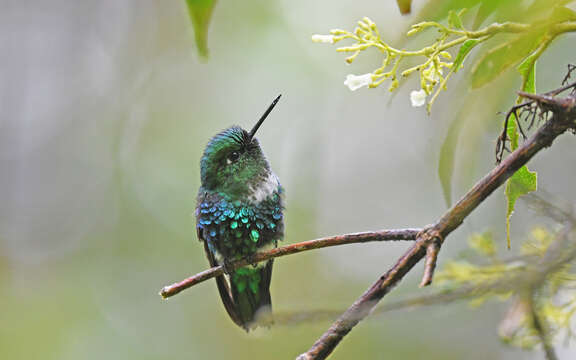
[105, 109]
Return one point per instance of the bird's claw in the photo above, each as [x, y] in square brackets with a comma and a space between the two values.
[227, 267]
[252, 260]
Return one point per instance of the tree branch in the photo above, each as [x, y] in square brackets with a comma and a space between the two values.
[563, 118]
[368, 236]
[540, 327]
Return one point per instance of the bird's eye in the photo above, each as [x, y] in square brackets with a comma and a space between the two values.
[234, 155]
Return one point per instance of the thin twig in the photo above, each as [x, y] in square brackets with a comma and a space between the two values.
[439, 297]
[544, 206]
[381, 235]
[544, 99]
[568, 76]
[452, 219]
[431, 258]
[540, 327]
[542, 334]
[548, 348]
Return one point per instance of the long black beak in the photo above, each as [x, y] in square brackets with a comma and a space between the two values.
[255, 128]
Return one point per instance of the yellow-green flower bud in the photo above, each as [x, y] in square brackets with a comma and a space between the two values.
[393, 85]
[446, 55]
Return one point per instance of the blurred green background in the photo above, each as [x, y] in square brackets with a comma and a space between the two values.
[104, 112]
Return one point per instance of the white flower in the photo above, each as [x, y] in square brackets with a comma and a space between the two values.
[435, 76]
[355, 82]
[418, 97]
[327, 39]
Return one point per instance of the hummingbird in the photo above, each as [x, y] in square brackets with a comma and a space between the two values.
[239, 212]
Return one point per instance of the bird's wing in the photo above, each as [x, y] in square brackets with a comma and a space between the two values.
[221, 282]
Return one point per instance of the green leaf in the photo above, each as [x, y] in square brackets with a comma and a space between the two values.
[500, 58]
[200, 13]
[521, 183]
[562, 13]
[447, 156]
[527, 70]
[434, 10]
[465, 49]
[512, 132]
[454, 20]
[495, 10]
[524, 180]
[488, 8]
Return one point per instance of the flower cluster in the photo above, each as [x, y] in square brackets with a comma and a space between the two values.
[366, 35]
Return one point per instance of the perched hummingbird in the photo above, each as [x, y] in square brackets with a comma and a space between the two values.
[239, 212]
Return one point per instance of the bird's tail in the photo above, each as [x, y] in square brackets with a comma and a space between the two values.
[223, 289]
[250, 288]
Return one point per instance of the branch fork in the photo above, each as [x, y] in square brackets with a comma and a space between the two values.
[433, 240]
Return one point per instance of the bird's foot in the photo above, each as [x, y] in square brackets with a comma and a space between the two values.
[227, 267]
[251, 259]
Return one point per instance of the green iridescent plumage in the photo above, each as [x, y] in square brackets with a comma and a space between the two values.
[239, 212]
[235, 229]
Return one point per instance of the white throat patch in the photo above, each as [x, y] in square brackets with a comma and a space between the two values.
[264, 188]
